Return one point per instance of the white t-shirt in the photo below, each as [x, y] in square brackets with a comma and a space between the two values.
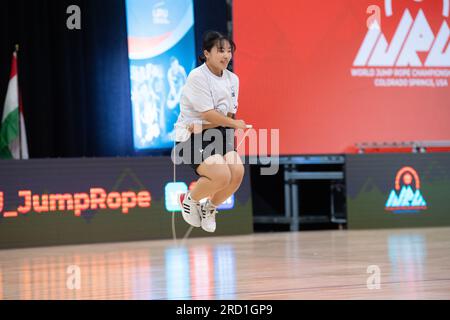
[205, 91]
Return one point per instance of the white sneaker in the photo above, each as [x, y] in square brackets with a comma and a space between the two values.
[190, 209]
[208, 212]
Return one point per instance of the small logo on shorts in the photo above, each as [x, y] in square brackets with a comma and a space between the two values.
[201, 150]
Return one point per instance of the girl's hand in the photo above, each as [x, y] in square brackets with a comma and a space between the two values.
[195, 128]
[240, 124]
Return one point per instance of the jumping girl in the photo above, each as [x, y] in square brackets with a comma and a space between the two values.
[209, 102]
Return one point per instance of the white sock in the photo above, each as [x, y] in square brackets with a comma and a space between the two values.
[210, 204]
[190, 198]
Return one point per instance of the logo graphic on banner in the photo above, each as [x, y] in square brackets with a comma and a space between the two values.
[406, 197]
[415, 56]
[172, 192]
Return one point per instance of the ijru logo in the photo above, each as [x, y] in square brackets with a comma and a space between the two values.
[413, 46]
[406, 197]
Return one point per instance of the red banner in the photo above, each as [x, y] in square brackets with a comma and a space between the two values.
[332, 73]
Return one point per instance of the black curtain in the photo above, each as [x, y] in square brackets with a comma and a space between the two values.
[210, 15]
[75, 83]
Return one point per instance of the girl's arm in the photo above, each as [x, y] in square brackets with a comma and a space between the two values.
[209, 126]
[217, 118]
[199, 127]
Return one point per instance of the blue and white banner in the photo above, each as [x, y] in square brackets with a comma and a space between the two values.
[161, 50]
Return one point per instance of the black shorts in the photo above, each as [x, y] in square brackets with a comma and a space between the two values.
[202, 145]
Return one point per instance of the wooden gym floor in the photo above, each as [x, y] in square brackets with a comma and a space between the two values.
[412, 264]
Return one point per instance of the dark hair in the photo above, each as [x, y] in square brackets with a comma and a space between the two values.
[212, 38]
